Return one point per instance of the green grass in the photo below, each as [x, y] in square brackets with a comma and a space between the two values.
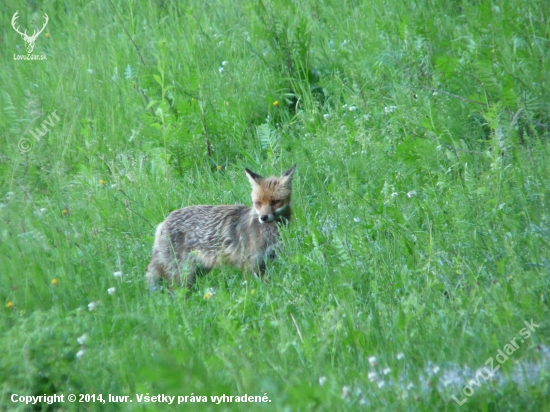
[421, 200]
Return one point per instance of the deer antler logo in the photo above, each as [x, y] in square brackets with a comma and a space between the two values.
[29, 40]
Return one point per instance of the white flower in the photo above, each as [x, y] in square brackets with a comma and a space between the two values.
[225, 63]
[80, 353]
[372, 376]
[435, 369]
[82, 340]
[386, 371]
[117, 274]
[352, 108]
[411, 193]
[221, 70]
[409, 386]
[92, 306]
[208, 293]
[110, 291]
[389, 109]
[346, 390]
[381, 384]
[326, 116]
[90, 71]
[372, 360]
[394, 194]
[400, 356]
[356, 220]
[366, 117]
[322, 380]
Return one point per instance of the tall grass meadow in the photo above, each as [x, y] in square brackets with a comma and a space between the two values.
[419, 246]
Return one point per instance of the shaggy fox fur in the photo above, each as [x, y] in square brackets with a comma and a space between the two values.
[202, 237]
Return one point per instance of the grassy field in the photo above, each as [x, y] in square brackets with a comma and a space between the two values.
[420, 241]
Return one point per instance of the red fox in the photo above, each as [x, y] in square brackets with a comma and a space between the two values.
[198, 238]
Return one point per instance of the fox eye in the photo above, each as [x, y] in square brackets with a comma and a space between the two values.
[257, 204]
[274, 202]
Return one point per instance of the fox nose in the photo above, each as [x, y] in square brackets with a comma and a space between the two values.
[263, 218]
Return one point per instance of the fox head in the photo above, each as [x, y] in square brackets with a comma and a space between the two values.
[271, 195]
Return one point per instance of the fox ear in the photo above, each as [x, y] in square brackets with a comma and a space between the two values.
[288, 174]
[253, 177]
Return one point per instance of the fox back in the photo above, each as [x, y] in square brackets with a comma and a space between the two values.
[198, 238]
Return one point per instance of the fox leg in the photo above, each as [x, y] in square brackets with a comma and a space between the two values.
[153, 273]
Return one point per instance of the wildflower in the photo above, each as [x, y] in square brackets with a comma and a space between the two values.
[82, 340]
[10, 304]
[352, 108]
[102, 182]
[386, 371]
[409, 386]
[400, 356]
[381, 384]
[221, 70]
[225, 63]
[372, 376]
[322, 380]
[276, 103]
[356, 220]
[346, 390]
[90, 71]
[326, 116]
[80, 353]
[47, 35]
[394, 194]
[411, 193]
[389, 109]
[435, 369]
[209, 293]
[372, 361]
[92, 306]
[219, 168]
[111, 291]
[117, 274]
[65, 212]
[54, 282]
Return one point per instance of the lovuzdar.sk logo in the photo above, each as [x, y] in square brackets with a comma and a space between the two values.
[29, 39]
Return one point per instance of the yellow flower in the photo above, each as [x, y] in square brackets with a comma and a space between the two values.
[10, 304]
[101, 182]
[227, 103]
[219, 167]
[276, 103]
[65, 212]
[54, 282]
[47, 35]
[209, 293]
